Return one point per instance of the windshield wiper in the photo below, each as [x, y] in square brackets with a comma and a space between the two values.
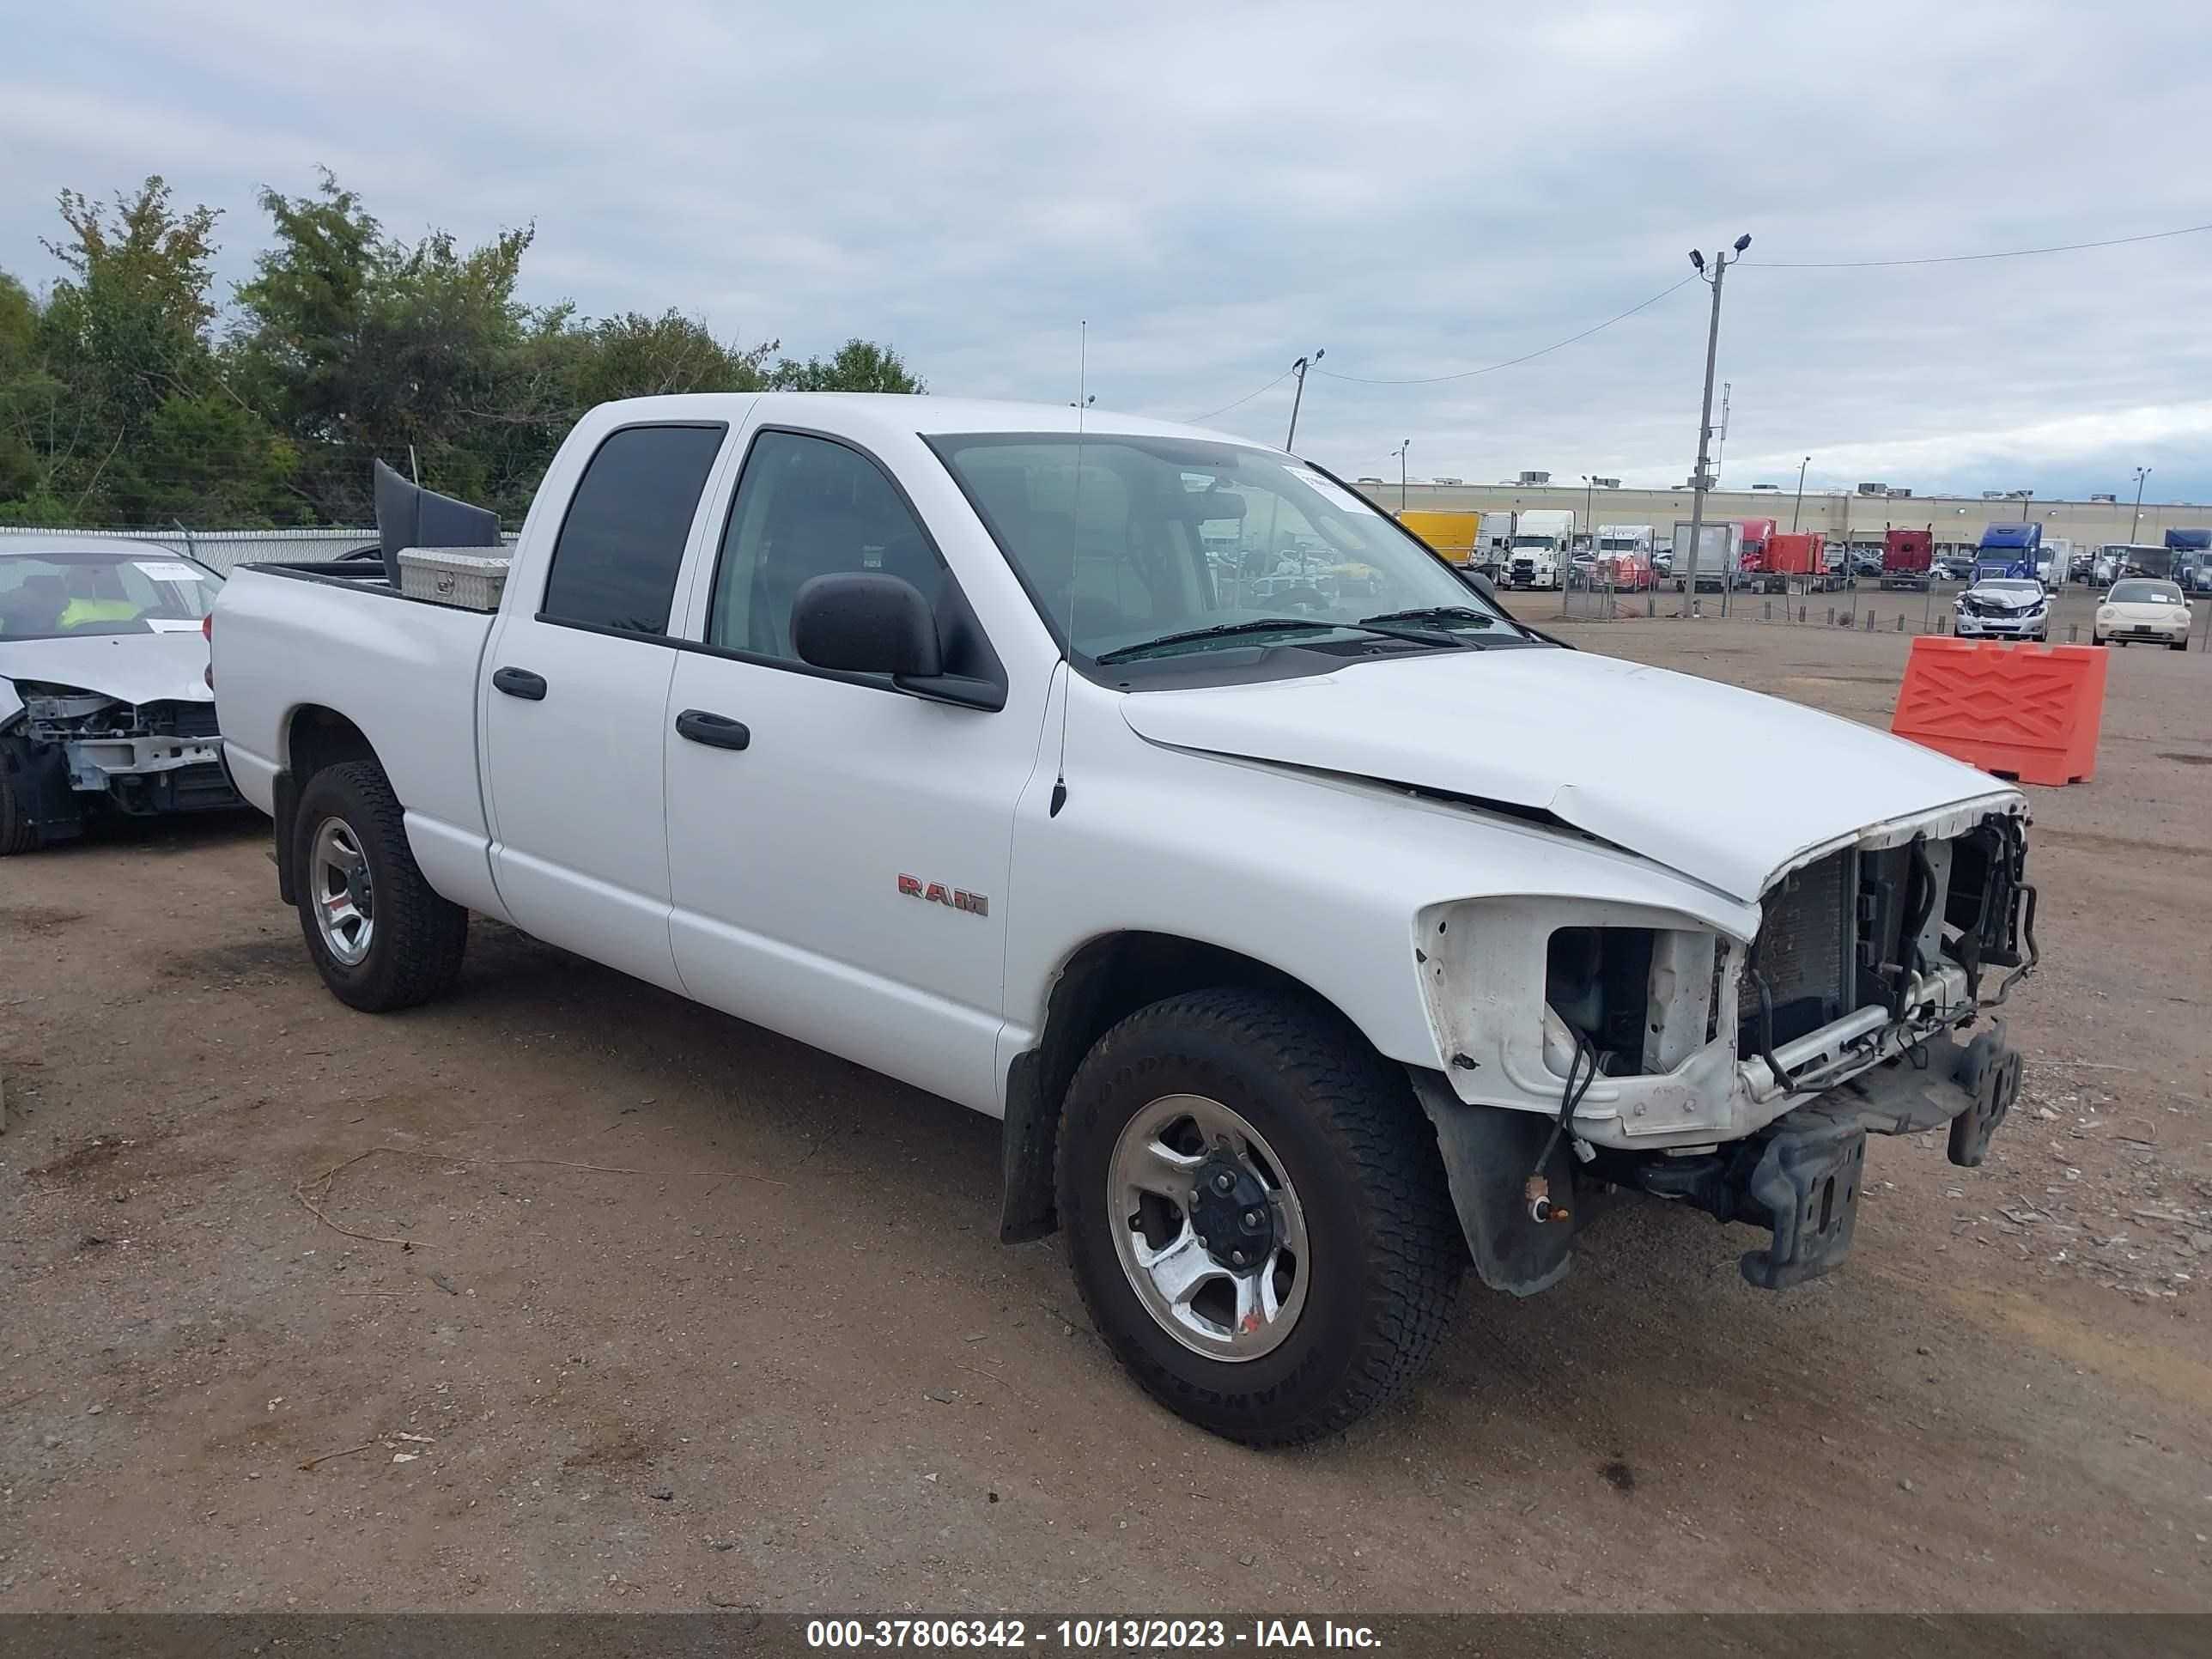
[1457, 613]
[1278, 624]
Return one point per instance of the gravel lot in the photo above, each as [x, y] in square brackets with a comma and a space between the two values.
[687, 1315]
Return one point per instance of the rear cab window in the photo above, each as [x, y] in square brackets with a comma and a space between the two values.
[621, 546]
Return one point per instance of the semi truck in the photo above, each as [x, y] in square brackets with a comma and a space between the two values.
[2008, 549]
[1803, 556]
[1752, 565]
[787, 703]
[1624, 555]
[1542, 538]
[2192, 559]
[1908, 557]
[1720, 547]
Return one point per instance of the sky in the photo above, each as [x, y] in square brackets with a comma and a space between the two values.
[1415, 189]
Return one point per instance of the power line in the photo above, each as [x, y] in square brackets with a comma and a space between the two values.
[1491, 369]
[1962, 258]
[1246, 398]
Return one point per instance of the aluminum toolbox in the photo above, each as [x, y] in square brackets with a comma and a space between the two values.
[450, 576]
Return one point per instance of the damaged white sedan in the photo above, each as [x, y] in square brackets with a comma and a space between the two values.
[1315, 936]
[105, 705]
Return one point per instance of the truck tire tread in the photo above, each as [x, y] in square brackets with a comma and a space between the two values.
[421, 937]
[1410, 1252]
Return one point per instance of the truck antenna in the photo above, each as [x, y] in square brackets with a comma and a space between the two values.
[1074, 515]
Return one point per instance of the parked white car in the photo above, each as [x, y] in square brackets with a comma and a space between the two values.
[2142, 609]
[837, 714]
[104, 700]
[2003, 608]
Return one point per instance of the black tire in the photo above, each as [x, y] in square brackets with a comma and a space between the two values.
[415, 947]
[1352, 1142]
[2176, 645]
[18, 834]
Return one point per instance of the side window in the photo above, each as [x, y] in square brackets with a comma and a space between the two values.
[615, 563]
[807, 508]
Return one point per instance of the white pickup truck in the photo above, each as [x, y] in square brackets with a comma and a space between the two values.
[925, 732]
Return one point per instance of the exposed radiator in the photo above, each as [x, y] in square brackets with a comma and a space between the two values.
[185, 720]
[1804, 951]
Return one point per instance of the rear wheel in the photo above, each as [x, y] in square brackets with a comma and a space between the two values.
[381, 938]
[1257, 1214]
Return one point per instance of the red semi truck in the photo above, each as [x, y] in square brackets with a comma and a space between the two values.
[1907, 557]
[1804, 556]
[1756, 567]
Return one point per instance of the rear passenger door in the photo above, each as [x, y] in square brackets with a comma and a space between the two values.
[577, 699]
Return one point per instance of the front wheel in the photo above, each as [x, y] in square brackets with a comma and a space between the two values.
[381, 937]
[1256, 1213]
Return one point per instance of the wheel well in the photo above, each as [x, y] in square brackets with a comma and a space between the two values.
[315, 739]
[318, 738]
[1103, 983]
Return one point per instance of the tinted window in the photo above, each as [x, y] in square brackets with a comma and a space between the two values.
[807, 508]
[615, 564]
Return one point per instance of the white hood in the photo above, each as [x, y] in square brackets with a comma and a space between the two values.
[133, 667]
[1727, 786]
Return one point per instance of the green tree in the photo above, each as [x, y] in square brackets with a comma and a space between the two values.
[858, 366]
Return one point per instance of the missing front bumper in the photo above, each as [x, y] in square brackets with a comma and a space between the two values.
[1802, 1176]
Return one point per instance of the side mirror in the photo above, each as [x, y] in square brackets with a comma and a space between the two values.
[866, 622]
[1480, 584]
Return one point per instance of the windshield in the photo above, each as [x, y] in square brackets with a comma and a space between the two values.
[1618, 544]
[144, 590]
[1158, 536]
[2143, 593]
[1549, 543]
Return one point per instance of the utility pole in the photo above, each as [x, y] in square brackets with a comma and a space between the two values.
[1800, 507]
[2135, 523]
[1702, 480]
[1298, 397]
[1720, 449]
[1400, 452]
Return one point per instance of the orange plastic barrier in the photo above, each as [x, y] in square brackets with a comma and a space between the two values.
[2029, 712]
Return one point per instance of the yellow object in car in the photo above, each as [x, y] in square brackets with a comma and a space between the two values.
[78, 612]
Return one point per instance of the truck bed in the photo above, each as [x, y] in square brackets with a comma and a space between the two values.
[407, 673]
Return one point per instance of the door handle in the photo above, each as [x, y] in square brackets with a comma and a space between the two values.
[519, 683]
[715, 731]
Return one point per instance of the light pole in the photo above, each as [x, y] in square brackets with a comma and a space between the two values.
[2026, 496]
[1590, 524]
[2135, 523]
[1298, 397]
[1401, 454]
[1800, 507]
[1702, 481]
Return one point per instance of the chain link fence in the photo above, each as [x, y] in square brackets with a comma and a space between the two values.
[1863, 606]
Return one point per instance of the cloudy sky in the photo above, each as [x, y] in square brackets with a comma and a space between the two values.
[1418, 189]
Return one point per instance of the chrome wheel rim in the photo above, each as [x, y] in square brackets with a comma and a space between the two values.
[1192, 1285]
[343, 892]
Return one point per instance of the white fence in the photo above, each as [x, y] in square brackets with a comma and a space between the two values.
[222, 549]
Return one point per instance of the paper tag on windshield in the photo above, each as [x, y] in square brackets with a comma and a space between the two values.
[1335, 493]
[167, 570]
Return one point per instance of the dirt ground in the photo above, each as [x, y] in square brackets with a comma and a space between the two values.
[688, 1315]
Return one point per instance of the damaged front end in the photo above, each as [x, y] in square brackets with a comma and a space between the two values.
[1741, 1075]
[141, 759]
